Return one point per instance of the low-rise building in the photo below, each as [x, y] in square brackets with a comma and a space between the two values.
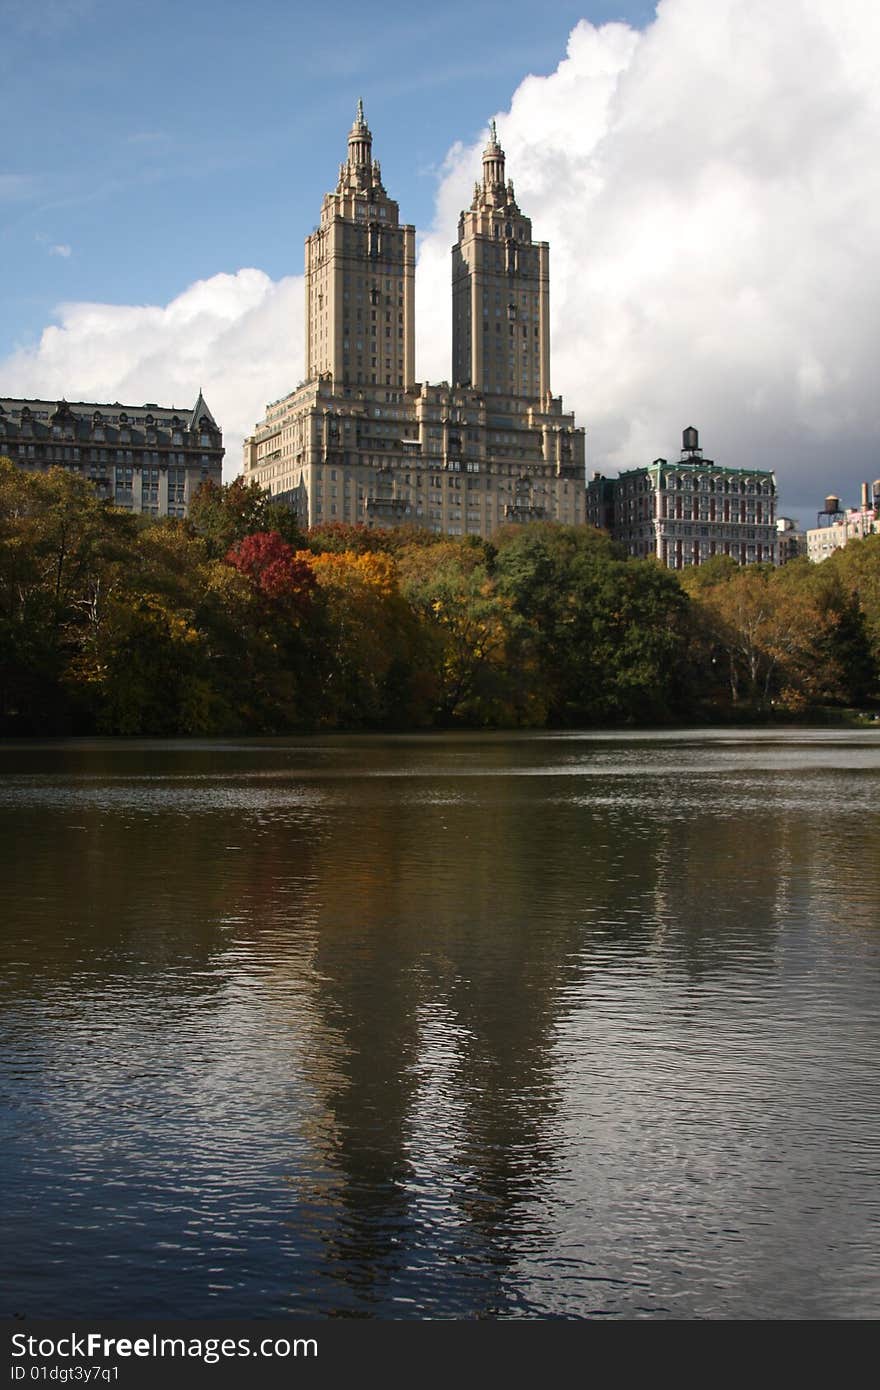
[685, 512]
[791, 541]
[148, 458]
[838, 525]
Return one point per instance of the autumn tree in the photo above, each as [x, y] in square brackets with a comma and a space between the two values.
[274, 568]
[371, 641]
[788, 639]
[223, 514]
[282, 649]
[342, 536]
[469, 624]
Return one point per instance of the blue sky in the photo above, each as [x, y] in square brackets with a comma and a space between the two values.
[705, 172]
[161, 143]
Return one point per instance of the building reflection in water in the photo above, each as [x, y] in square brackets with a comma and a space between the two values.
[358, 979]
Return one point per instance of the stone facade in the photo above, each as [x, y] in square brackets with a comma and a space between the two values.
[150, 458]
[684, 513]
[365, 337]
[360, 440]
[500, 291]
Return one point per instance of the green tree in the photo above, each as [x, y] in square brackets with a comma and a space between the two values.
[58, 545]
[606, 635]
[140, 662]
[857, 569]
[468, 624]
[223, 515]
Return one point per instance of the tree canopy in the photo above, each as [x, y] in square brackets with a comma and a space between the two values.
[234, 620]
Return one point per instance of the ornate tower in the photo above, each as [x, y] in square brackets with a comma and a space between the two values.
[500, 292]
[360, 278]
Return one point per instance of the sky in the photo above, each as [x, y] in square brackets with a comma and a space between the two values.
[705, 172]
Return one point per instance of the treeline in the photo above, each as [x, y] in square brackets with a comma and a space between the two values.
[235, 622]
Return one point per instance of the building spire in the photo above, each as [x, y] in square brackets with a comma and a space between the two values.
[360, 149]
[493, 162]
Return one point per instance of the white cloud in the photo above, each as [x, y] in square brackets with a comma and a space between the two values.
[710, 191]
[712, 202]
[238, 337]
[60, 250]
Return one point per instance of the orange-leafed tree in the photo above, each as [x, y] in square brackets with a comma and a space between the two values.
[370, 638]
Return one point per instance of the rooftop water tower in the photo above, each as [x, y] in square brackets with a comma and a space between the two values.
[831, 512]
[690, 442]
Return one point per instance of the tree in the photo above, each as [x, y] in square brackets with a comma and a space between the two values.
[224, 515]
[370, 641]
[856, 568]
[606, 635]
[342, 536]
[58, 543]
[789, 638]
[468, 623]
[274, 568]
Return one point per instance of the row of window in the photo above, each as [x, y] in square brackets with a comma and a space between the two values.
[704, 484]
[684, 529]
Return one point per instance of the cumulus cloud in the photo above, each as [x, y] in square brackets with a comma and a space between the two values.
[238, 337]
[61, 249]
[712, 202]
[711, 195]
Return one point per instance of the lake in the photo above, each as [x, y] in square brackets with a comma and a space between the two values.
[506, 1025]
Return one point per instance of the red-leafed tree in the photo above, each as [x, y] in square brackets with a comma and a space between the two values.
[273, 566]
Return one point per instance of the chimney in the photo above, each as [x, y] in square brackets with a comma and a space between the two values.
[865, 503]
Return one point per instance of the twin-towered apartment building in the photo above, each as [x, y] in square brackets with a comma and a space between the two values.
[360, 440]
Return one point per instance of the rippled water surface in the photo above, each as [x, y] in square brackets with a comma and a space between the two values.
[514, 1025]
